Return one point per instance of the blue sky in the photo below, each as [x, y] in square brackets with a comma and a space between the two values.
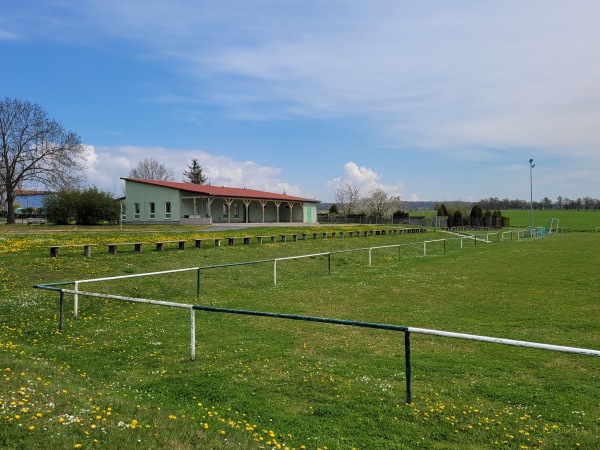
[431, 100]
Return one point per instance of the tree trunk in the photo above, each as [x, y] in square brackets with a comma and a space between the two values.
[10, 208]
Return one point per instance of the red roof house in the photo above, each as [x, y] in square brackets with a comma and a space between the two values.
[202, 204]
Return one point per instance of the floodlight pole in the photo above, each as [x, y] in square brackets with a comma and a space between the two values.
[531, 166]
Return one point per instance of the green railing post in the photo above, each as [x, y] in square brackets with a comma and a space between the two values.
[198, 285]
[444, 246]
[408, 367]
[329, 264]
[60, 311]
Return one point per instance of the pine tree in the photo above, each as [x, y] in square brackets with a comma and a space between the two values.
[194, 175]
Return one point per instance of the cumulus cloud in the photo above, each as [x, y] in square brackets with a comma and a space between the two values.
[106, 165]
[366, 180]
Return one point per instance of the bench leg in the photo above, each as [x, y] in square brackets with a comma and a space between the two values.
[54, 252]
[198, 243]
[87, 251]
[182, 245]
[138, 248]
[159, 247]
[112, 249]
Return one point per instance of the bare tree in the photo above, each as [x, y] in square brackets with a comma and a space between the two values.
[36, 148]
[151, 169]
[194, 173]
[347, 196]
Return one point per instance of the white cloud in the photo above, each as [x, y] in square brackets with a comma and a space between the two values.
[366, 180]
[106, 165]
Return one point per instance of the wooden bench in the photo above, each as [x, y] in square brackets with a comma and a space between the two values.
[245, 240]
[36, 220]
[112, 248]
[259, 239]
[87, 249]
[161, 245]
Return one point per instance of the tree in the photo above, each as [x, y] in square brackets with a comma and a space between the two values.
[379, 204]
[194, 175]
[151, 169]
[347, 196]
[85, 207]
[441, 210]
[476, 216]
[37, 149]
[333, 210]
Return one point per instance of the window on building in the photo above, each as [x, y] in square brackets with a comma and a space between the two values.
[136, 210]
[225, 210]
[152, 214]
[236, 211]
[168, 210]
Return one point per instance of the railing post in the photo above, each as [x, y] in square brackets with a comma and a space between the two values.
[369, 256]
[444, 246]
[193, 333]
[424, 248]
[274, 272]
[408, 367]
[76, 302]
[329, 264]
[60, 311]
[198, 285]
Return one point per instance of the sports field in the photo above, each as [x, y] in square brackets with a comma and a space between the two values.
[120, 376]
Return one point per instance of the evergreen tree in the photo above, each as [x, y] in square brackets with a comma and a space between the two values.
[194, 175]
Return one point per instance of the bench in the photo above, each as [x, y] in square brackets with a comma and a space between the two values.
[259, 239]
[87, 249]
[160, 245]
[198, 243]
[112, 248]
[34, 220]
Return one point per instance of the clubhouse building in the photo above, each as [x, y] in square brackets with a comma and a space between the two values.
[151, 201]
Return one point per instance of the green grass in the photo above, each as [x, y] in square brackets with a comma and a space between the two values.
[575, 220]
[120, 376]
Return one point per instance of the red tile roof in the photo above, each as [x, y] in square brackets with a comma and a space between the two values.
[222, 191]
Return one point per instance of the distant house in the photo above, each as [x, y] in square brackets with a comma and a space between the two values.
[30, 198]
[201, 204]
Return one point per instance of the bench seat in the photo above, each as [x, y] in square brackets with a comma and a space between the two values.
[112, 248]
[87, 248]
[161, 244]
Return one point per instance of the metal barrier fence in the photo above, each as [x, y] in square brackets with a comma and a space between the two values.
[76, 292]
[404, 329]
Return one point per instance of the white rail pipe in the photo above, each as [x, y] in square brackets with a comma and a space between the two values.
[495, 340]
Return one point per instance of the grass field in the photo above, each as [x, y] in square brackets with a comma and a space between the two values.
[121, 377]
[575, 220]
